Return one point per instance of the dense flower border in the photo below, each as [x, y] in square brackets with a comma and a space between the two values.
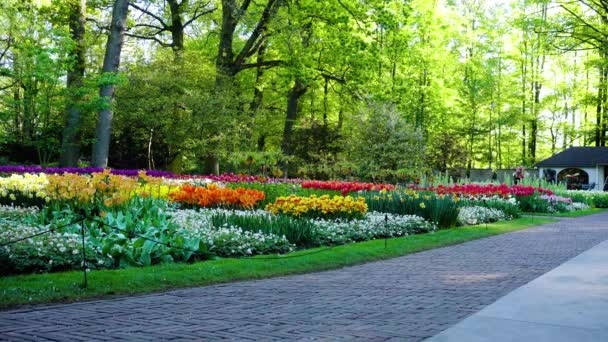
[214, 196]
[324, 206]
[346, 187]
[474, 190]
[81, 171]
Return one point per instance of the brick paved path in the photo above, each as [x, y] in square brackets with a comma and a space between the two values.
[403, 299]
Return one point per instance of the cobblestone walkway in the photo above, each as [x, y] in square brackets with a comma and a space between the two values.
[403, 299]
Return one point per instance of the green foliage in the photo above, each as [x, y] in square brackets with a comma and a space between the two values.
[442, 211]
[300, 232]
[392, 89]
[599, 200]
[384, 124]
[511, 209]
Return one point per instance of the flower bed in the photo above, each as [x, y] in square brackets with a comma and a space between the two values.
[80, 171]
[476, 190]
[214, 196]
[597, 199]
[373, 226]
[319, 207]
[346, 187]
[144, 220]
[442, 210]
[27, 189]
[479, 215]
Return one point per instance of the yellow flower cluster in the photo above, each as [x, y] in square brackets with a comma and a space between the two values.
[324, 206]
[26, 186]
[108, 188]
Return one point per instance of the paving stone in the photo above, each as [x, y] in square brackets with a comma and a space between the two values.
[403, 299]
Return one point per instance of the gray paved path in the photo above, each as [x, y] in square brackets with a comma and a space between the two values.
[403, 299]
[568, 303]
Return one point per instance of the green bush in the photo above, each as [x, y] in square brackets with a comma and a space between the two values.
[533, 204]
[599, 200]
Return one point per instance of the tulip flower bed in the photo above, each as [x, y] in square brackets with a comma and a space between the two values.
[477, 190]
[135, 218]
[80, 171]
[346, 187]
[337, 207]
[214, 196]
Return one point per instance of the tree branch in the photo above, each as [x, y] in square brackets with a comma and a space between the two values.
[582, 20]
[244, 7]
[8, 46]
[260, 27]
[8, 86]
[351, 14]
[154, 38]
[143, 10]
[160, 29]
[196, 15]
[265, 64]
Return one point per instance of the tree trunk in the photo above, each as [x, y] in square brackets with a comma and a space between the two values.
[111, 62]
[70, 146]
[177, 46]
[600, 107]
[537, 70]
[297, 91]
[177, 26]
[258, 99]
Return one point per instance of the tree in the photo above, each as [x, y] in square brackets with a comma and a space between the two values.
[402, 146]
[70, 147]
[111, 62]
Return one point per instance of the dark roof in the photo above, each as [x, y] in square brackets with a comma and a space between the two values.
[578, 156]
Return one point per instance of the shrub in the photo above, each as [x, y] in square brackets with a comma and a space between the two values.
[600, 199]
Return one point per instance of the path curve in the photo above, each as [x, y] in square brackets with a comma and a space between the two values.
[408, 298]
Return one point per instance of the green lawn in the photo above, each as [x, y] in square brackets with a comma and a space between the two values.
[66, 287]
[579, 213]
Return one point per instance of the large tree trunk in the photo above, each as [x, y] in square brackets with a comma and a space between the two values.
[257, 101]
[297, 91]
[225, 58]
[70, 146]
[177, 45]
[177, 26]
[106, 91]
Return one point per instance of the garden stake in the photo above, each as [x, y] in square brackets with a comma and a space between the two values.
[385, 231]
[84, 256]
